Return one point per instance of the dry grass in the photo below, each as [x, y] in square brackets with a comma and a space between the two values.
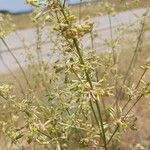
[141, 111]
[142, 136]
[97, 8]
[86, 9]
[130, 138]
[22, 21]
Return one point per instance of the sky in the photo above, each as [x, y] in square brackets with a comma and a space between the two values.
[19, 6]
[14, 6]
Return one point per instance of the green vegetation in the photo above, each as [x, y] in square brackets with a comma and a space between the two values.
[84, 100]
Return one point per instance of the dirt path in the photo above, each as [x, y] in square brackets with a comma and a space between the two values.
[101, 31]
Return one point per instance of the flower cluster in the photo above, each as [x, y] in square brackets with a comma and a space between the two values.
[5, 90]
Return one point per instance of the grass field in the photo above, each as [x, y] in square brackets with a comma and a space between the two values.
[127, 45]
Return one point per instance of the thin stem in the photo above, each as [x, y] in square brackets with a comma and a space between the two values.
[38, 44]
[45, 134]
[88, 80]
[130, 97]
[80, 14]
[115, 131]
[104, 107]
[138, 99]
[64, 3]
[129, 68]
[97, 105]
[90, 101]
[18, 63]
[102, 125]
[70, 126]
[12, 74]
[92, 39]
[91, 105]
[111, 36]
[3, 97]
[141, 78]
[136, 48]
[135, 52]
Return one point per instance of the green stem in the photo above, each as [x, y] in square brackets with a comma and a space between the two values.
[88, 80]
